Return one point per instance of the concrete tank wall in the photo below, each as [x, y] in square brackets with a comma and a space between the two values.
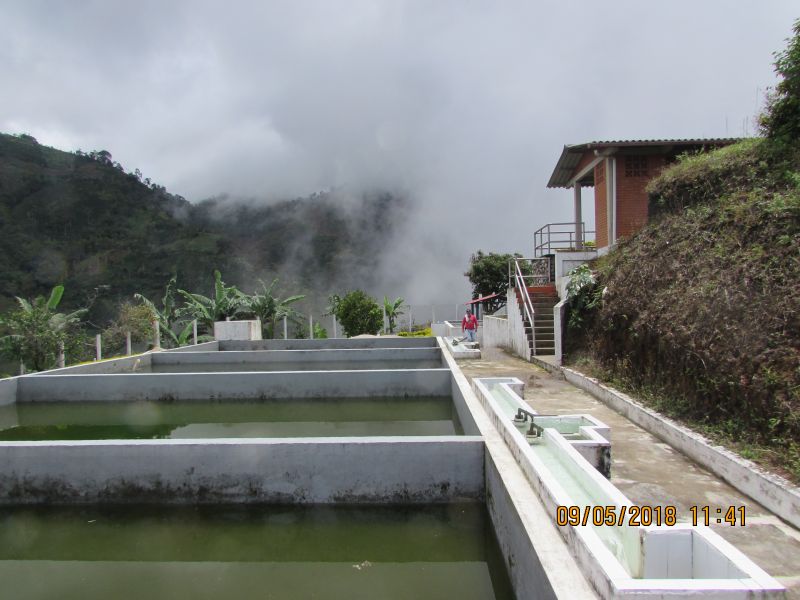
[215, 386]
[312, 470]
[306, 356]
[327, 344]
[125, 364]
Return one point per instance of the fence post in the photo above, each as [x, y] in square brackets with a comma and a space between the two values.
[285, 329]
[194, 331]
[156, 336]
[128, 346]
[98, 347]
[21, 367]
[310, 327]
[60, 360]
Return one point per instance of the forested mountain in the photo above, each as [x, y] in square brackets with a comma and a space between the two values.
[81, 220]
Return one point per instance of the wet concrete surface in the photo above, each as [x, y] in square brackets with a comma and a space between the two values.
[650, 472]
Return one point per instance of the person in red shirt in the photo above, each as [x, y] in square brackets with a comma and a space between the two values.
[469, 325]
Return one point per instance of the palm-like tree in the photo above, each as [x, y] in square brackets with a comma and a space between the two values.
[228, 301]
[393, 311]
[270, 309]
[37, 330]
[168, 316]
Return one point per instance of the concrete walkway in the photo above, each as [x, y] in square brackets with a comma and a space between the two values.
[651, 472]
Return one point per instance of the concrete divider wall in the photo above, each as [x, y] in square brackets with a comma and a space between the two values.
[204, 347]
[306, 356]
[217, 386]
[126, 364]
[8, 390]
[529, 578]
[330, 343]
[311, 470]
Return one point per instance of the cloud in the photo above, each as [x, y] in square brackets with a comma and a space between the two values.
[463, 105]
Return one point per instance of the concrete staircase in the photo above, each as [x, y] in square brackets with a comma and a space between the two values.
[543, 298]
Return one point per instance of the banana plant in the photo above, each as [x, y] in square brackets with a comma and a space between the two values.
[168, 315]
[270, 309]
[37, 330]
[228, 301]
[393, 312]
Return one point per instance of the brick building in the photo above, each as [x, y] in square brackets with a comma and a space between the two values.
[618, 170]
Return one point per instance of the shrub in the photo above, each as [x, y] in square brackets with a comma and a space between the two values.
[424, 332]
[781, 119]
[358, 313]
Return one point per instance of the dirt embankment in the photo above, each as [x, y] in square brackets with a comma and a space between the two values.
[701, 308]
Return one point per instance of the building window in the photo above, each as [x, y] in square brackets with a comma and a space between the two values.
[636, 166]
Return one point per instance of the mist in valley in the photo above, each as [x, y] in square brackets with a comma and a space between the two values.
[431, 127]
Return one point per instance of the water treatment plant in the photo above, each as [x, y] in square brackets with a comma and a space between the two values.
[340, 468]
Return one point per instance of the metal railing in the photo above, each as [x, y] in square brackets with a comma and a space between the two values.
[562, 236]
[524, 273]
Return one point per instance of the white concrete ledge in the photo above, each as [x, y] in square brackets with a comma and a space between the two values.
[249, 385]
[768, 489]
[124, 364]
[327, 344]
[461, 350]
[204, 347]
[307, 470]
[256, 357]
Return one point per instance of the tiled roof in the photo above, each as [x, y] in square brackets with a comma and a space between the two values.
[571, 155]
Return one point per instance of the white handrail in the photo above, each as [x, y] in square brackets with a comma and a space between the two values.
[526, 301]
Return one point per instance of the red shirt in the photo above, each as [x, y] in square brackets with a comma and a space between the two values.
[469, 322]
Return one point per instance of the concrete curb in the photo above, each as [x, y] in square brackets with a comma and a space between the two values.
[772, 491]
[550, 368]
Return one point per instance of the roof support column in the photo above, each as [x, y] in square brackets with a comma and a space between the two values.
[611, 198]
[578, 217]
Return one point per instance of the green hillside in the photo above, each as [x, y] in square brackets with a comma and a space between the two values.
[83, 221]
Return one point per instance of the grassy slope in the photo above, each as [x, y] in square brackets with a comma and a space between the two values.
[702, 308]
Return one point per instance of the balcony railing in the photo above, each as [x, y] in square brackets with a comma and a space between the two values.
[562, 237]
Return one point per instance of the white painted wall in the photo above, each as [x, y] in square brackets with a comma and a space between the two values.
[559, 328]
[518, 341]
[566, 261]
[237, 330]
[495, 333]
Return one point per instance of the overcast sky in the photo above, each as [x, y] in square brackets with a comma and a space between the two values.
[465, 105]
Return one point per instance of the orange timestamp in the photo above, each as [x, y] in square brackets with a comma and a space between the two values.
[645, 516]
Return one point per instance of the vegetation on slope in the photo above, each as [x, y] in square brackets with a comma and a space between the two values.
[703, 306]
[700, 310]
[80, 220]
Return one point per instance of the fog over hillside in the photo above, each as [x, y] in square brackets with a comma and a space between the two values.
[462, 108]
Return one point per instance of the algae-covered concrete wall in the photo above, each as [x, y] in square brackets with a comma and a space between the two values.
[312, 470]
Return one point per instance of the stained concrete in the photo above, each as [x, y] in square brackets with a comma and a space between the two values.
[650, 472]
[256, 470]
